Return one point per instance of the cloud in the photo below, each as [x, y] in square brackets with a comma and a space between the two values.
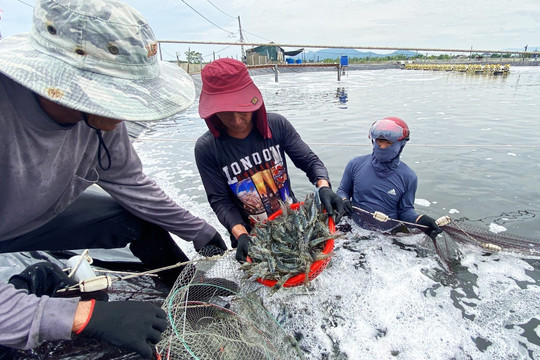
[457, 24]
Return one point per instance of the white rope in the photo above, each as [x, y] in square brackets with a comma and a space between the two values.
[487, 246]
[83, 256]
[383, 217]
[107, 281]
[120, 272]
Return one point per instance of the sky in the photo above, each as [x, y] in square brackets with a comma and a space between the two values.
[434, 24]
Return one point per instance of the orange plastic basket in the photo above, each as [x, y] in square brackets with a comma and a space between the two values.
[316, 268]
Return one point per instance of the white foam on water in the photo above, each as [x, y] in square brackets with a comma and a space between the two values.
[495, 228]
[380, 300]
[422, 202]
[376, 300]
[503, 304]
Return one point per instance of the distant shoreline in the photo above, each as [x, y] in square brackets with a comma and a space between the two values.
[310, 67]
[318, 67]
[288, 68]
[195, 69]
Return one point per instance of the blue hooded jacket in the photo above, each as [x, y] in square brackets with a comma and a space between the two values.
[381, 182]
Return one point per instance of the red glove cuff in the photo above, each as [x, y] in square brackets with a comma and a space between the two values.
[89, 316]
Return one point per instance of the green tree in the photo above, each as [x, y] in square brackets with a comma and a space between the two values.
[194, 57]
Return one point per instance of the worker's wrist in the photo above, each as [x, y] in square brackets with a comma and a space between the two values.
[82, 315]
[322, 183]
[238, 230]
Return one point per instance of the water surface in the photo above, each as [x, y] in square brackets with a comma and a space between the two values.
[474, 144]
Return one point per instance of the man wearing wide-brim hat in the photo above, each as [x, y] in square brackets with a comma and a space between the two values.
[65, 89]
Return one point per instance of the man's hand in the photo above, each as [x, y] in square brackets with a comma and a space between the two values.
[236, 231]
[330, 201]
[432, 229]
[133, 325]
[242, 248]
[42, 278]
[216, 246]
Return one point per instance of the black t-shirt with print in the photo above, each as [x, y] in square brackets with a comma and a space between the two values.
[247, 179]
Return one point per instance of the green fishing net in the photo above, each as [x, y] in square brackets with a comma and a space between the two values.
[213, 314]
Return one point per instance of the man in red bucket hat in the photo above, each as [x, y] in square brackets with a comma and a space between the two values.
[241, 158]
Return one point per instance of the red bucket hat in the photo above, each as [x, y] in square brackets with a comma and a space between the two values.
[227, 86]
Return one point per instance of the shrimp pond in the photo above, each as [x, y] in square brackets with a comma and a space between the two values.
[474, 146]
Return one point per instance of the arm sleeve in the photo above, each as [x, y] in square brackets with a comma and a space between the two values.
[27, 320]
[215, 184]
[299, 152]
[126, 182]
[406, 211]
[345, 189]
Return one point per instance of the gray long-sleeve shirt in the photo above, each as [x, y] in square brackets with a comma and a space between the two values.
[44, 168]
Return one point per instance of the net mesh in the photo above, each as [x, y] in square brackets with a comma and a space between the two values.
[465, 232]
[456, 232]
[214, 314]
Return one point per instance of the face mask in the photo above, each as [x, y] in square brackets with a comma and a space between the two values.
[388, 154]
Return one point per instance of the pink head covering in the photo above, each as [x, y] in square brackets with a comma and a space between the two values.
[227, 86]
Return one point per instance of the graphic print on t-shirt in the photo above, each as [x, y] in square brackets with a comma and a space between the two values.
[261, 184]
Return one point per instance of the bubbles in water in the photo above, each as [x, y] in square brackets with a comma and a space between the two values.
[385, 296]
[495, 228]
[422, 202]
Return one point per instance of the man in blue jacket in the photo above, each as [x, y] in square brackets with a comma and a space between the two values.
[381, 182]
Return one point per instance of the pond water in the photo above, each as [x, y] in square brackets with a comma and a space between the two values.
[474, 144]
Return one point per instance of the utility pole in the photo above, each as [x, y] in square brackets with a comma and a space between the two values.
[188, 58]
[241, 41]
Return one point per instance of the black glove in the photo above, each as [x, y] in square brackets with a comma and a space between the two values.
[234, 242]
[432, 229]
[216, 246]
[348, 207]
[133, 325]
[330, 201]
[43, 278]
[242, 248]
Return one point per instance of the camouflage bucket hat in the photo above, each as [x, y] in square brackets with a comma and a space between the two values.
[98, 57]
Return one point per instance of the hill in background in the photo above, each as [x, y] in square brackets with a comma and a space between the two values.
[323, 54]
[351, 53]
